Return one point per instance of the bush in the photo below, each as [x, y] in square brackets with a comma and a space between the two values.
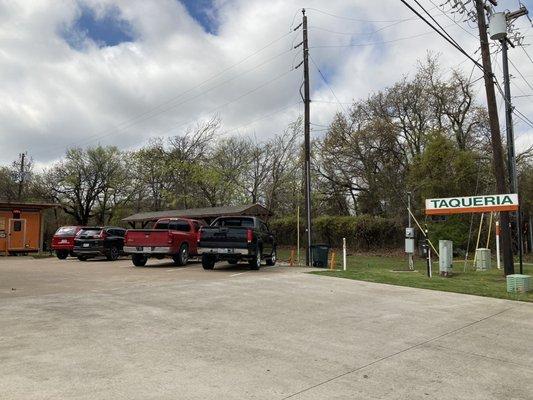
[362, 232]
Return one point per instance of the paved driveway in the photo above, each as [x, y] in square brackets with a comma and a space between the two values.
[102, 330]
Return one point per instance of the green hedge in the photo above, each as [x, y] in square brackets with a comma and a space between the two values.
[362, 232]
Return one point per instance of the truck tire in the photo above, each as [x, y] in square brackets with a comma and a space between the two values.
[183, 255]
[271, 261]
[255, 263]
[208, 261]
[62, 254]
[233, 261]
[112, 254]
[139, 260]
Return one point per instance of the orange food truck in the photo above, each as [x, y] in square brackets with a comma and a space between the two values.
[21, 227]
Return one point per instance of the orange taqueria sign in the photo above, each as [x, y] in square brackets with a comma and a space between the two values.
[472, 204]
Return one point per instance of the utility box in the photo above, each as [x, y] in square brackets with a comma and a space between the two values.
[445, 257]
[409, 240]
[517, 283]
[483, 261]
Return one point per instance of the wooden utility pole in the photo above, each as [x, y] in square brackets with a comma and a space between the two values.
[496, 140]
[307, 139]
[21, 176]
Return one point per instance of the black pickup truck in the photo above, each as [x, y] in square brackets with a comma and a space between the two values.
[234, 239]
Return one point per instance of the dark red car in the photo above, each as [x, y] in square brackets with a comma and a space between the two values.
[63, 241]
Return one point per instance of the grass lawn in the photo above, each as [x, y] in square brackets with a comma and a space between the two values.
[373, 268]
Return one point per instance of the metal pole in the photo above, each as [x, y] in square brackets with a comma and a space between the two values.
[307, 136]
[496, 141]
[511, 157]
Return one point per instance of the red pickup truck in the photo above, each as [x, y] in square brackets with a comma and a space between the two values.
[170, 237]
[63, 241]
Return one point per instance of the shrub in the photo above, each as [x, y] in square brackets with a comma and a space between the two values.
[362, 232]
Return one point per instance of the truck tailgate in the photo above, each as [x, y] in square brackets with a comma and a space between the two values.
[146, 237]
[223, 237]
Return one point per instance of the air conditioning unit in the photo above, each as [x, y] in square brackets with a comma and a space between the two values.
[518, 283]
[445, 257]
[483, 261]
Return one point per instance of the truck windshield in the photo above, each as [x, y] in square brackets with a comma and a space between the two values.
[235, 222]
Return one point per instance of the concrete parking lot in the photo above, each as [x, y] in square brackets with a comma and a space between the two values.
[108, 330]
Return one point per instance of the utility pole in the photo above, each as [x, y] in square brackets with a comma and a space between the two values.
[496, 140]
[499, 31]
[21, 175]
[307, 139]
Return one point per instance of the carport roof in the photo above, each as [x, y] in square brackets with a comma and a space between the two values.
[10, 205]
[199, 213]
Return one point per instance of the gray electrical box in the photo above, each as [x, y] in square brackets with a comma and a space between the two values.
[409, 246]
[445, 257]
[409, 233]
[483, 261]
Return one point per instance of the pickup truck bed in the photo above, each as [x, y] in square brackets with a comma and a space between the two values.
[236, 238]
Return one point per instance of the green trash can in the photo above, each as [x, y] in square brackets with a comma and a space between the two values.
[319, 255]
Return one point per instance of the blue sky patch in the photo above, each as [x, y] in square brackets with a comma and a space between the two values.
[108, 29]
[204, 12]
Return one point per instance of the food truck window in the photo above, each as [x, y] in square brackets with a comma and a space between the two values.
[17, 226]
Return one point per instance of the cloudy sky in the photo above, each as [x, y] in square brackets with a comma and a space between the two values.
[83, 72]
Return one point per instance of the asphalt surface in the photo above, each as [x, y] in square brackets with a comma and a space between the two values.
[108, 330]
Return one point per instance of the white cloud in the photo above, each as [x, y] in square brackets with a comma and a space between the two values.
[53, 96]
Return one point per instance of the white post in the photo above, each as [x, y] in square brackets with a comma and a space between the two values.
[498, 244]
[344, 254]
[298, 234]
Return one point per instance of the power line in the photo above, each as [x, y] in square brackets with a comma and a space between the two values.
[527, 54]
[327, 84]
[520, 73]
[196, 96]
[452, 42]
[355, 33]
[374, 43]
[359, 19]
[155, 111]
[453, 20]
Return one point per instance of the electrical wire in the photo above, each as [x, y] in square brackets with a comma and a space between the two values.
[452, 42]
[359, 19]
[170, 107]
[520, 73]
[373, 43]
[157, 110]
[327, 84]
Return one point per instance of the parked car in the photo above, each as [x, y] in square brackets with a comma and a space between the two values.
[234, 239]
[96, 241]
[171, 237]
[63, 241]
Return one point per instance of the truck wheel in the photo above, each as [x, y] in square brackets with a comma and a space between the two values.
[82, 258]
[233, 261]
[255, 263]
[208, 261]
[183, 256]
[112, 254]
[271, 261]
[62, 254]
[139, 260]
